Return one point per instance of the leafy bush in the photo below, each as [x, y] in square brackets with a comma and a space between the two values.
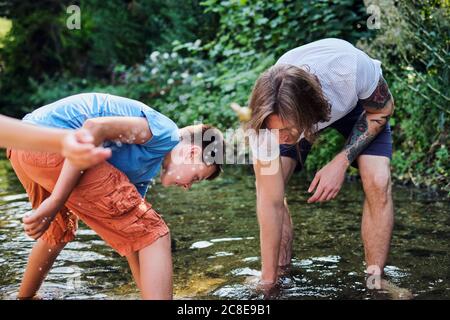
[414, 47]
[40, 46]
[197, 80]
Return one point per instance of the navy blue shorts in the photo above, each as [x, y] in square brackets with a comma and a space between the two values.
[380, 146]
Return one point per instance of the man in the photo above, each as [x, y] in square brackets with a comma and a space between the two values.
[327, 83]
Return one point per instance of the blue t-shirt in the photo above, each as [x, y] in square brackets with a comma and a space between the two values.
[140, 162]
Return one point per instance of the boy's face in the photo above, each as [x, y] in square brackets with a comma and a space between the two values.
[185, 167]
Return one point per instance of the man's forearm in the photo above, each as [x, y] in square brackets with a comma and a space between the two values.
[270, 225]
[361, 136]
[368, 126]
[378, 108]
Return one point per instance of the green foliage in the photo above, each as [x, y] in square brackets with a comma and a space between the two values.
[147, 50]
[181, 83]
[52, 89]
[328, 144]
[251, 34]
[277, 26]
[414, 47]
[40, 46]
[5, 26]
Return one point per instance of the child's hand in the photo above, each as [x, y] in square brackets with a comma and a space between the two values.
[79, 149]
[36, 223]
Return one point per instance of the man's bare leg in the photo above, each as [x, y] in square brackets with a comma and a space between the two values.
[378, 211]
[377, 222]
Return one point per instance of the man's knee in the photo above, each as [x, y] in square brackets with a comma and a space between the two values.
[377, 184]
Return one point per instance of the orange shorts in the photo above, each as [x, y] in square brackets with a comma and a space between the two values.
[104, 199]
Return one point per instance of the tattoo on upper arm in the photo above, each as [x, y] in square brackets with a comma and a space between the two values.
[380, 97]
[359, 138]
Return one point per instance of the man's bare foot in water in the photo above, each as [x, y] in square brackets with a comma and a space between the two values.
[35, 297]
[396, 292]
[268, 290]
[377, 282]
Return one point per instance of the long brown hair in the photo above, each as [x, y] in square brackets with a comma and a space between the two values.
[290, 92]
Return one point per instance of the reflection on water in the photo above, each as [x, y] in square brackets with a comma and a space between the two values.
[216, 245]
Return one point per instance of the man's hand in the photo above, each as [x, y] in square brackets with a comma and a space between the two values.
[79, 148]
[378, 108]
[328, 180]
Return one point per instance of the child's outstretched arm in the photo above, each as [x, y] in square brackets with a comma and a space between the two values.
[38, 222]
[77, 146]
[132, 130]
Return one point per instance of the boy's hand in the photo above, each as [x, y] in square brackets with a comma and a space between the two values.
[79, 149]
[36, 223]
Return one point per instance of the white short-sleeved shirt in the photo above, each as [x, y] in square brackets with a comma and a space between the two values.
[345, 73]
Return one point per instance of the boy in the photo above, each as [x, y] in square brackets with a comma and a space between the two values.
[109, 197]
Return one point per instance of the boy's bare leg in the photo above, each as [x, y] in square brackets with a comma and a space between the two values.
[40, 261]
[133, 262]
[155, 264]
